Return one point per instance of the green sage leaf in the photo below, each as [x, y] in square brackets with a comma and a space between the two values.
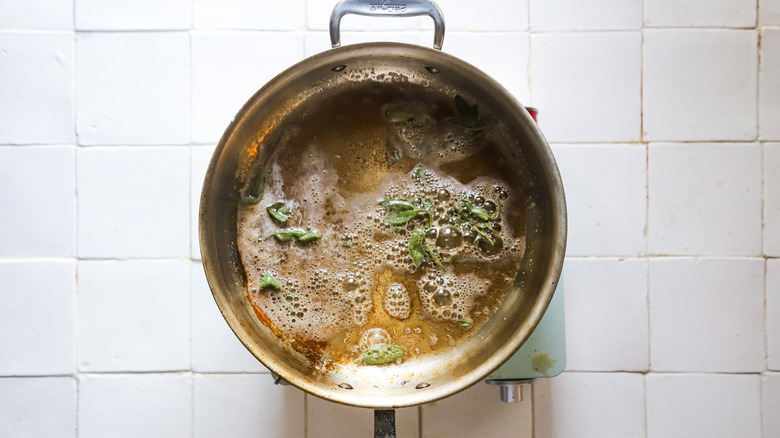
[288, 234]
[400, 217]
[401, 116]
[309, 237]
[279, 211]
[417, 247]
[400, 211]
[381, 354]
[464, 323]
[269, 281]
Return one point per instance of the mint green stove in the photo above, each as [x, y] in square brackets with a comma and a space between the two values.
[543, 354]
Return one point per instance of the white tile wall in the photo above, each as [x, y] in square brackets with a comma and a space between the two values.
[132, 88]
[706, 315]
[47, 227]
[319, 41]
[133, 315]
[37, 317]
[705, 405]
[200, 158]
[228, 68]
[33, 407]
[587, 85]
[132, 15]
[769, 84]
[769, 11]
[665, 120]
[590, 405]
[772, 199]
[699, 84]
[510, 70]
[214, 346]
[134, 405]
[37, 14]
[704, 199]
[246, 406]
[606, 314]
[248, 14]
[770, 394]
[481, 413]
[773, 313]
[133, 202]
[606, 187]
[330, 420]
[552, 15]
[713, 13]
[36, 87]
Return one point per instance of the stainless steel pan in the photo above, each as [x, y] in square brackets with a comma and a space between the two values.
[312, 82]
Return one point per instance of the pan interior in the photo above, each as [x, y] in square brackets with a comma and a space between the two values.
[313, 84]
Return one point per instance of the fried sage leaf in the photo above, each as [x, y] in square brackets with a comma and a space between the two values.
[401, 116]
[252, 194]
[269, 281]
[309, 237]
[417, 247]
[380, 354]
[279, 211]
[479, 212]
[399, 211]
[288, 234]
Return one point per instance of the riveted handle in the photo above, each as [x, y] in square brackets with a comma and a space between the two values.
[393, 8]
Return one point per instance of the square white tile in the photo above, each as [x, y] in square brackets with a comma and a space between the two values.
[705, 405]
[488, 52]
[704, 199]
[699, 84]
[606, 198]
[132, 88]
[586, 405]
[39, 201]
[587, 85]
[317, 42]
[132, 15]
[707, 315]
[772, 199]
[773, 314]
[477, 412]
[37, 14]
[37, 317]
[135, 405]
[249, 14]
[769, 12]
[606, 314]
[770, 404]
[712, 13]
[555, 15]
[214, 346]
[318, 18]
[134, 202]
[36, 88]
[228, 68]
[485, 16]
[133, 315]
[200, 156]
[326, 419]
[248, 406]
[769, 85]
[38, 407]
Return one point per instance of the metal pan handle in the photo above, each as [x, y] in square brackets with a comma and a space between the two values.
[384, 423]
[393, 8]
